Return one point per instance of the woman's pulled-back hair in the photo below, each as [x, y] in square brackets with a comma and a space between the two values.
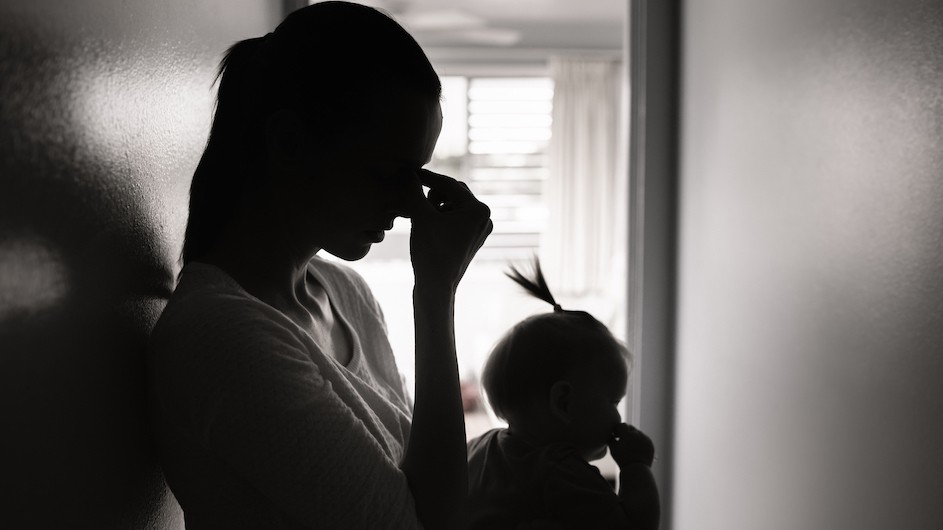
[543, 349]
[329, 62]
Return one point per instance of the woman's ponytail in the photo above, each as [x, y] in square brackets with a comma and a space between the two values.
[232, 152]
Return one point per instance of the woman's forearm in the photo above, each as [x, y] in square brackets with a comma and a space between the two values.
[435, 462]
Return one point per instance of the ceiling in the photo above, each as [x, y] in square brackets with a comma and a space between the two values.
[503, 24]
[530, 10]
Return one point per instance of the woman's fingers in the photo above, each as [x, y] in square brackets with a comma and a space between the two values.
[416, 203]
[445, 188]
[433, 179]
[438, 199]
[448, 228]
[445, 194]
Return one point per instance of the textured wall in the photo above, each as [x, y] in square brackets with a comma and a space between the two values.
[810, 350]
[104, 109]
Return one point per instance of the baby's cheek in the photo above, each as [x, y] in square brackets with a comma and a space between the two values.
[596, 453]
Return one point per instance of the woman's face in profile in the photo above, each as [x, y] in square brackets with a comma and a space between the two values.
[354, 195]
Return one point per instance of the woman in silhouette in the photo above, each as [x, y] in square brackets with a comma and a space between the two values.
[275, 396]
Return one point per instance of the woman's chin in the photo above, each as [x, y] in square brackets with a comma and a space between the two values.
[350, 253]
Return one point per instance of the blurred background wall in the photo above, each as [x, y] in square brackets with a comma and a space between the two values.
[104, 110]
[810, 327]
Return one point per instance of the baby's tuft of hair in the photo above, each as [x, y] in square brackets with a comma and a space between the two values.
[536, 286]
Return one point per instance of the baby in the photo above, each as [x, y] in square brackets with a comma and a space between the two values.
[557, 379]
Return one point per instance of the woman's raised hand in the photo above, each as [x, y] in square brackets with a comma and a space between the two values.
[448, 227]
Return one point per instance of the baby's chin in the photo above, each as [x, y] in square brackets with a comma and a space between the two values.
[594, 453]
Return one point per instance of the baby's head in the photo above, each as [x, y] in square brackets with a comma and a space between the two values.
[558, 377]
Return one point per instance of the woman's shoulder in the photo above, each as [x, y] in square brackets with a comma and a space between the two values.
[208, 303]
[205, 288]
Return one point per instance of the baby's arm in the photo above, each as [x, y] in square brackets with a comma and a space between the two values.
[634, 452]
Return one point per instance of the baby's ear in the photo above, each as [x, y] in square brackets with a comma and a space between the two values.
[560, 397]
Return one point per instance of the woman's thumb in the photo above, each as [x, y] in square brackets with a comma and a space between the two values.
[415, 203]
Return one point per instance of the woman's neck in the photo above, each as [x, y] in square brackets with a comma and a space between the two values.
[259, 252]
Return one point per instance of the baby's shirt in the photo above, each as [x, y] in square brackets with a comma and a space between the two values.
[512, 482]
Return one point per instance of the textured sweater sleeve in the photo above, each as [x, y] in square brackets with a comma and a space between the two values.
[249, 392]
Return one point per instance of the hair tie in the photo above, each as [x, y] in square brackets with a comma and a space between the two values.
[266, 43]
[557, 308]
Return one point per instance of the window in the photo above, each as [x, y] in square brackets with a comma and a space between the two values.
[496, 141]
[495, 135]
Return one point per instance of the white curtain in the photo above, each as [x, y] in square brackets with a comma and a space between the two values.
[583, 250]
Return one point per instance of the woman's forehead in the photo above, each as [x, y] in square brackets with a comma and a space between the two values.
[405, 130]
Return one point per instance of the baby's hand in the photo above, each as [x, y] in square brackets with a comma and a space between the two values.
[629, 445]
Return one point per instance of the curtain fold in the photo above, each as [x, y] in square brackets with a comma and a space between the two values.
[584, 245]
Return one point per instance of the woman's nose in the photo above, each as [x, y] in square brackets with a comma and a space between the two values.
[404, 194]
